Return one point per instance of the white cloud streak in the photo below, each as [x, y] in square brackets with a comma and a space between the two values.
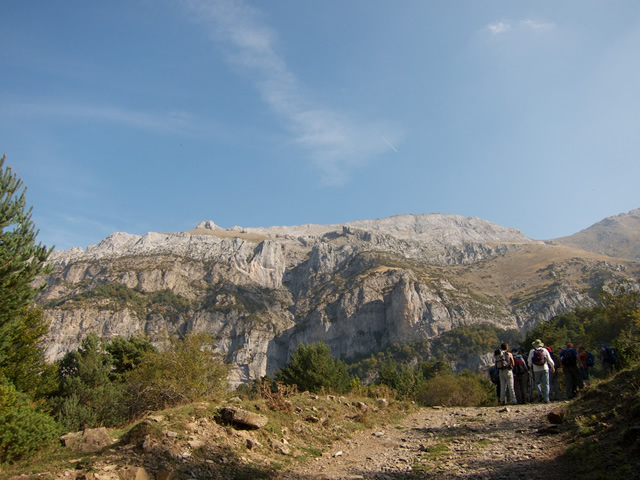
[537, 26]
[504, 26]
[174, 123]
[336, 142]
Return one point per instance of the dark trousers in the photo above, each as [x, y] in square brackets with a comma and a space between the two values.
[521, 386]
[573, 380]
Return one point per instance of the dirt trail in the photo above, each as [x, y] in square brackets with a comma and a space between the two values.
[446, 443]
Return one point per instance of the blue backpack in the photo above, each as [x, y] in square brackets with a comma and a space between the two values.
[610, 355]
[568, 357]
[591, 359]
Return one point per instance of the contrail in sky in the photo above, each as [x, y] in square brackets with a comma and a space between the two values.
[389, 143]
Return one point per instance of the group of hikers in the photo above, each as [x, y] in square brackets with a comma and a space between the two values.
[521, 378]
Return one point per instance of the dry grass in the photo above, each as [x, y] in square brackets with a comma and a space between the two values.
[530, 265]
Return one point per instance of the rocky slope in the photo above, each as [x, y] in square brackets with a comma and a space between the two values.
[359, 287]
[617, 236]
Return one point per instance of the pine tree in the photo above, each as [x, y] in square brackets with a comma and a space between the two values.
[21, 259]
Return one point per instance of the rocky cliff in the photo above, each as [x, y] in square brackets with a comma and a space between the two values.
[359, 287]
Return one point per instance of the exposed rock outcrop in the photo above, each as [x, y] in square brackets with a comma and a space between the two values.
[359, 287]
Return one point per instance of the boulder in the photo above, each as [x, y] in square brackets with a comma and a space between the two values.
[556, 417]
[133, 473]
[243, 417]
[88, 441]
[280, 447]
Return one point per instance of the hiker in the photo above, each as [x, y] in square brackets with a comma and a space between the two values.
[554, 386]
[494, 375]
[573, 380]
[585, 360]
[504, 363]
[520, 375]
[541, 364]
[609, 358]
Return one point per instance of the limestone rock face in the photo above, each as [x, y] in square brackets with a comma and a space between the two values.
[359, 287]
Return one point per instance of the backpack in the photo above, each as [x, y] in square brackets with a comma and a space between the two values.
[568, 358]
[503, 361]
[610, 355]
[591, 359]
[494, 375]
[538, 357]
[520, 367]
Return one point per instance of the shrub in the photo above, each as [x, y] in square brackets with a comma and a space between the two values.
[464, 390]
[188, 371]
[312, 368]
[87, 396]
[23, 428]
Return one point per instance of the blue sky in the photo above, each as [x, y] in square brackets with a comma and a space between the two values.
[141, 115]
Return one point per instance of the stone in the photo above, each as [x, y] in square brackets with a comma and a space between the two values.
[88, 441]
[280, 447]
[195, 444]
[243, 417]
[253, 444]
[556, 416]
[133, 473]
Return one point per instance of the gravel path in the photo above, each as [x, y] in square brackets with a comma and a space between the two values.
[446, 443]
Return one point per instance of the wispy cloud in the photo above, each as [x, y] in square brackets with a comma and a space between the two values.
[497, 28]
[504, 26]
[174, 123]
[335, 140]
[537, 26]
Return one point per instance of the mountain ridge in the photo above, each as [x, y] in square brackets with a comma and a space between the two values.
[615, 236]
[359, 287]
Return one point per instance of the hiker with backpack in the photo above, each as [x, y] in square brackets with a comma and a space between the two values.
[541, 364]
[609, 358]
[504, 363]
[520, 375]
[573, 380]
[585, 360]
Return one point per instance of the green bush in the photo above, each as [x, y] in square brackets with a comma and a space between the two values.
[187, 371]
[23, 428]
[87, 396]
[464, 390]
[312, 368]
